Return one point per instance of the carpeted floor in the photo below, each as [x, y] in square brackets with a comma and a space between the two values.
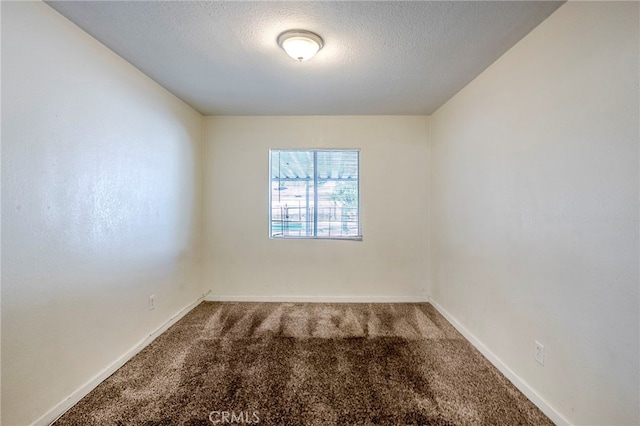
[307, 364]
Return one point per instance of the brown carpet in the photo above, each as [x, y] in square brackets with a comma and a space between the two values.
[307, 364]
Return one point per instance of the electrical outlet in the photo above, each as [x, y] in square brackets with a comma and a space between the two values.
[539, 355]
[152, 302]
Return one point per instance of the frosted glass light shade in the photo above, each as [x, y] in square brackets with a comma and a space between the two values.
[301, 45]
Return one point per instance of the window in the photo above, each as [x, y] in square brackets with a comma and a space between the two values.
[314, 194]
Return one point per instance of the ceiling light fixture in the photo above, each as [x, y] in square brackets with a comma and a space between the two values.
[300, 44]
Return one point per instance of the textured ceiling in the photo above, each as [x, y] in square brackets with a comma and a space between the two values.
[379, 57]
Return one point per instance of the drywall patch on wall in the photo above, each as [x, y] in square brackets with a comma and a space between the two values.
[535, 210]
[100, 208]
[242, 261]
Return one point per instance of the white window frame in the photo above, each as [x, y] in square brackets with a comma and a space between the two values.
[315, 179]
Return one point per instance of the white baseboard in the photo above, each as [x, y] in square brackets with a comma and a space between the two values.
[517, 381]
[56, 412]
[317, 299]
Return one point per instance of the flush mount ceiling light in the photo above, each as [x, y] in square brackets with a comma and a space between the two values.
[300, 44]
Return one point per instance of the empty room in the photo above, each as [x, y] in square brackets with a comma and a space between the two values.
[320, 213]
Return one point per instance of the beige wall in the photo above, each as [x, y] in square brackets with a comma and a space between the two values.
[242, 262]
[535, 210]
[100, 208]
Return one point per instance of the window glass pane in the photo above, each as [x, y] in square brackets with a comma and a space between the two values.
[337, 194]
[300, 180]
[292, 188]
